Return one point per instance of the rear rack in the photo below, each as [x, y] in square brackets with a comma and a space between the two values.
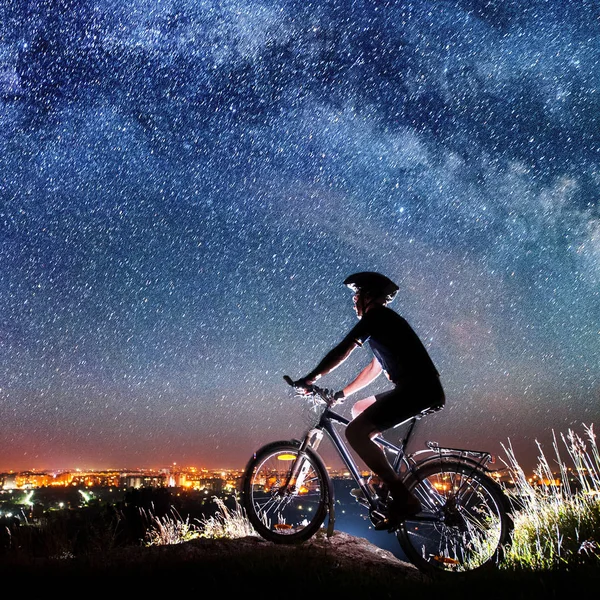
[481, 454]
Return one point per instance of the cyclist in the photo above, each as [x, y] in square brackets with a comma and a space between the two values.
[401, 356]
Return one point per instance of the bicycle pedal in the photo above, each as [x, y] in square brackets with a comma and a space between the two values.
[360, 497]
[389, 526]
[379, 520]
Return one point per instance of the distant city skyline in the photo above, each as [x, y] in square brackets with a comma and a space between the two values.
[187, 184]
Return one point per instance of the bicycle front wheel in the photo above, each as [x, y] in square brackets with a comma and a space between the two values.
[464, 525]
[285, 494]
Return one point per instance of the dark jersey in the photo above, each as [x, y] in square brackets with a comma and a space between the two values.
[395, 344]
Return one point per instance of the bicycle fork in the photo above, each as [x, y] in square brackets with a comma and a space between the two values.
[300, 469]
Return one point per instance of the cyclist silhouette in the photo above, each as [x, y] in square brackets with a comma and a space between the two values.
[402, 357]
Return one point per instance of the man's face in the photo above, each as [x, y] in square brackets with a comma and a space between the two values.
[363, 301]
[359, 303]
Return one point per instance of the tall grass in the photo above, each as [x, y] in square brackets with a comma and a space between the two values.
[169, 529]
[227, 523]
[557, 521]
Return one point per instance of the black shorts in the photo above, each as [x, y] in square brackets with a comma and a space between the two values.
[404, 402]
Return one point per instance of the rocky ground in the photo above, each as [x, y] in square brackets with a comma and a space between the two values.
[343, 565]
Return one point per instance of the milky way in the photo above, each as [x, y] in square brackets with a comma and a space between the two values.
[185, 185]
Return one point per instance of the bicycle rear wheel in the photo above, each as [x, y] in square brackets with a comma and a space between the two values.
[284, 506]
[465, 523]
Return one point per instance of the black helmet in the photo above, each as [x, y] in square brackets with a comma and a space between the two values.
[373, 283]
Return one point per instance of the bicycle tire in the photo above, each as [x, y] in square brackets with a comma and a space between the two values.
[285, 516]
[470, 523]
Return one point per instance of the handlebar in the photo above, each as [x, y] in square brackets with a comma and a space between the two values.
[313, 390]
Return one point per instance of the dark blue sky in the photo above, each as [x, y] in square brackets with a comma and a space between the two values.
[185, 185]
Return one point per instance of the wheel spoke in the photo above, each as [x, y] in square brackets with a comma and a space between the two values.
[469, 525]
[285, 495]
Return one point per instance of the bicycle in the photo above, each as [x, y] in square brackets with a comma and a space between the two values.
[465, 523]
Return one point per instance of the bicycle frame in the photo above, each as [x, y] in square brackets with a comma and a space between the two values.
[312, 440]
[327, 422]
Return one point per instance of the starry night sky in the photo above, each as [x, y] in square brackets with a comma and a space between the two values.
[185, 185]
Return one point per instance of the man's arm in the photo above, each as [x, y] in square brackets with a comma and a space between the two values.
[364, 378]
[332, 360]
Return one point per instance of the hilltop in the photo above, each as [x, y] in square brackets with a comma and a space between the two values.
[350, 567]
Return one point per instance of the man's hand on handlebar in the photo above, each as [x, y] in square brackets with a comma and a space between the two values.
[303, 387]
[334, 398]
[338, 397]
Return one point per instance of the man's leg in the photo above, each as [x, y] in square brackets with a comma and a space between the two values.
[359, 434]
[361, 405]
